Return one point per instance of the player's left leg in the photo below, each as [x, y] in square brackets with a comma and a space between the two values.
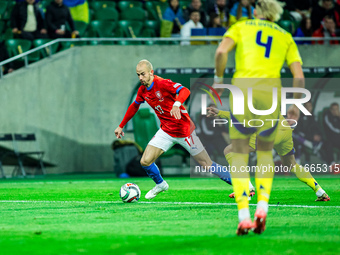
[204, 160]
[195, 147]
[240, 181]
[304, 176]
[284, 146]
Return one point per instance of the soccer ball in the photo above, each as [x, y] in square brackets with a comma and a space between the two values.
[129, 193]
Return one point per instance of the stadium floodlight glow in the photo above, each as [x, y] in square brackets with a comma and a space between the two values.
[238, 100]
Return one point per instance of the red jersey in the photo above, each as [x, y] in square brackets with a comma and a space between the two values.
[161, 95]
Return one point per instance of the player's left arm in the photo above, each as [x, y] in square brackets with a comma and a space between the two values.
[298, 82]
[183, 94]
[295, 65]
[224, 114]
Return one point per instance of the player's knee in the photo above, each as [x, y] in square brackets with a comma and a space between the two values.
[145, 162]
[288, 160]
[227, 150]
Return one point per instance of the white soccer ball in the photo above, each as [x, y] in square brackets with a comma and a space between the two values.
[129, 193]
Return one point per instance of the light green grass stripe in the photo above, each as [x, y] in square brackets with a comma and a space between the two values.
[169, 203]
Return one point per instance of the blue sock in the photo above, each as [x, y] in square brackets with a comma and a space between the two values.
[221, 172]
[154, 173]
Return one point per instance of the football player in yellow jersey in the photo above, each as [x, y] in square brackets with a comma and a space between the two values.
[262, 47]
[283, 144]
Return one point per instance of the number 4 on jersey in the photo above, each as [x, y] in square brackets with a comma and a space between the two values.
[267, 44]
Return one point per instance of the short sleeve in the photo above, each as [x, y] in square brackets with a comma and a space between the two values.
[172, 87]
[233, 33]
[293, 54]
[139, 98]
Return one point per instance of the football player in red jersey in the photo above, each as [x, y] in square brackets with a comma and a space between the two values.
[166, 98]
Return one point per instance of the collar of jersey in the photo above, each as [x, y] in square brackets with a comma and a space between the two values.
[148, 88]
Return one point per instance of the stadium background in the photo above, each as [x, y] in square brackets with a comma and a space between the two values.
[75, 99]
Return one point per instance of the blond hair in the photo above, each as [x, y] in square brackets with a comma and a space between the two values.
[269, 9]
[146, 63]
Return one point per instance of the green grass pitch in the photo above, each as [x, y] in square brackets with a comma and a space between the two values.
[86, 216]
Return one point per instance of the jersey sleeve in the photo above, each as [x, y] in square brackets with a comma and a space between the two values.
[139, 98]
[224, 114]
[172, 87]
[233, 33]
[293, 54]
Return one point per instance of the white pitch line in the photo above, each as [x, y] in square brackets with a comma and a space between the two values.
[209, 203]
[166, 203]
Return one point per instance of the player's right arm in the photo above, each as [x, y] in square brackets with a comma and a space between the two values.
[298, 77]
[131, 111]
[214, 112]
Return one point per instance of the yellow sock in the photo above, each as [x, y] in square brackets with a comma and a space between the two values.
[228, 157]
[305, 176]
[240, 180]
[264, 178]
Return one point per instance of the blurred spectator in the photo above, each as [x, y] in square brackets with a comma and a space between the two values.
[194, 22]
[57, 15]
[240, 11]
[327, 30]
[307, 134]
[299, 9]
[215, 20]
[27, 22]
[320, 10]
[337, 13]
[8, 68]
[174, 13]
[305, 30]
[221, 9]
[331, 123]
[196, 5]
[229, 4]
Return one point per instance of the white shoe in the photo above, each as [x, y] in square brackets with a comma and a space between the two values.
[163, 186]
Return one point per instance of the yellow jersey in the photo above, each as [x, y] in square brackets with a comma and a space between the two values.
[262, 47]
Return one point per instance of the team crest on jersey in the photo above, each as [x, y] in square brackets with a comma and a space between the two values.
[159, 96]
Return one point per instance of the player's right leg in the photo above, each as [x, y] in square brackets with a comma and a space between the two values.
[240, 181]
[229, 156]
[240, 133]
[263, 180]
[160, 143]
[149, 157]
